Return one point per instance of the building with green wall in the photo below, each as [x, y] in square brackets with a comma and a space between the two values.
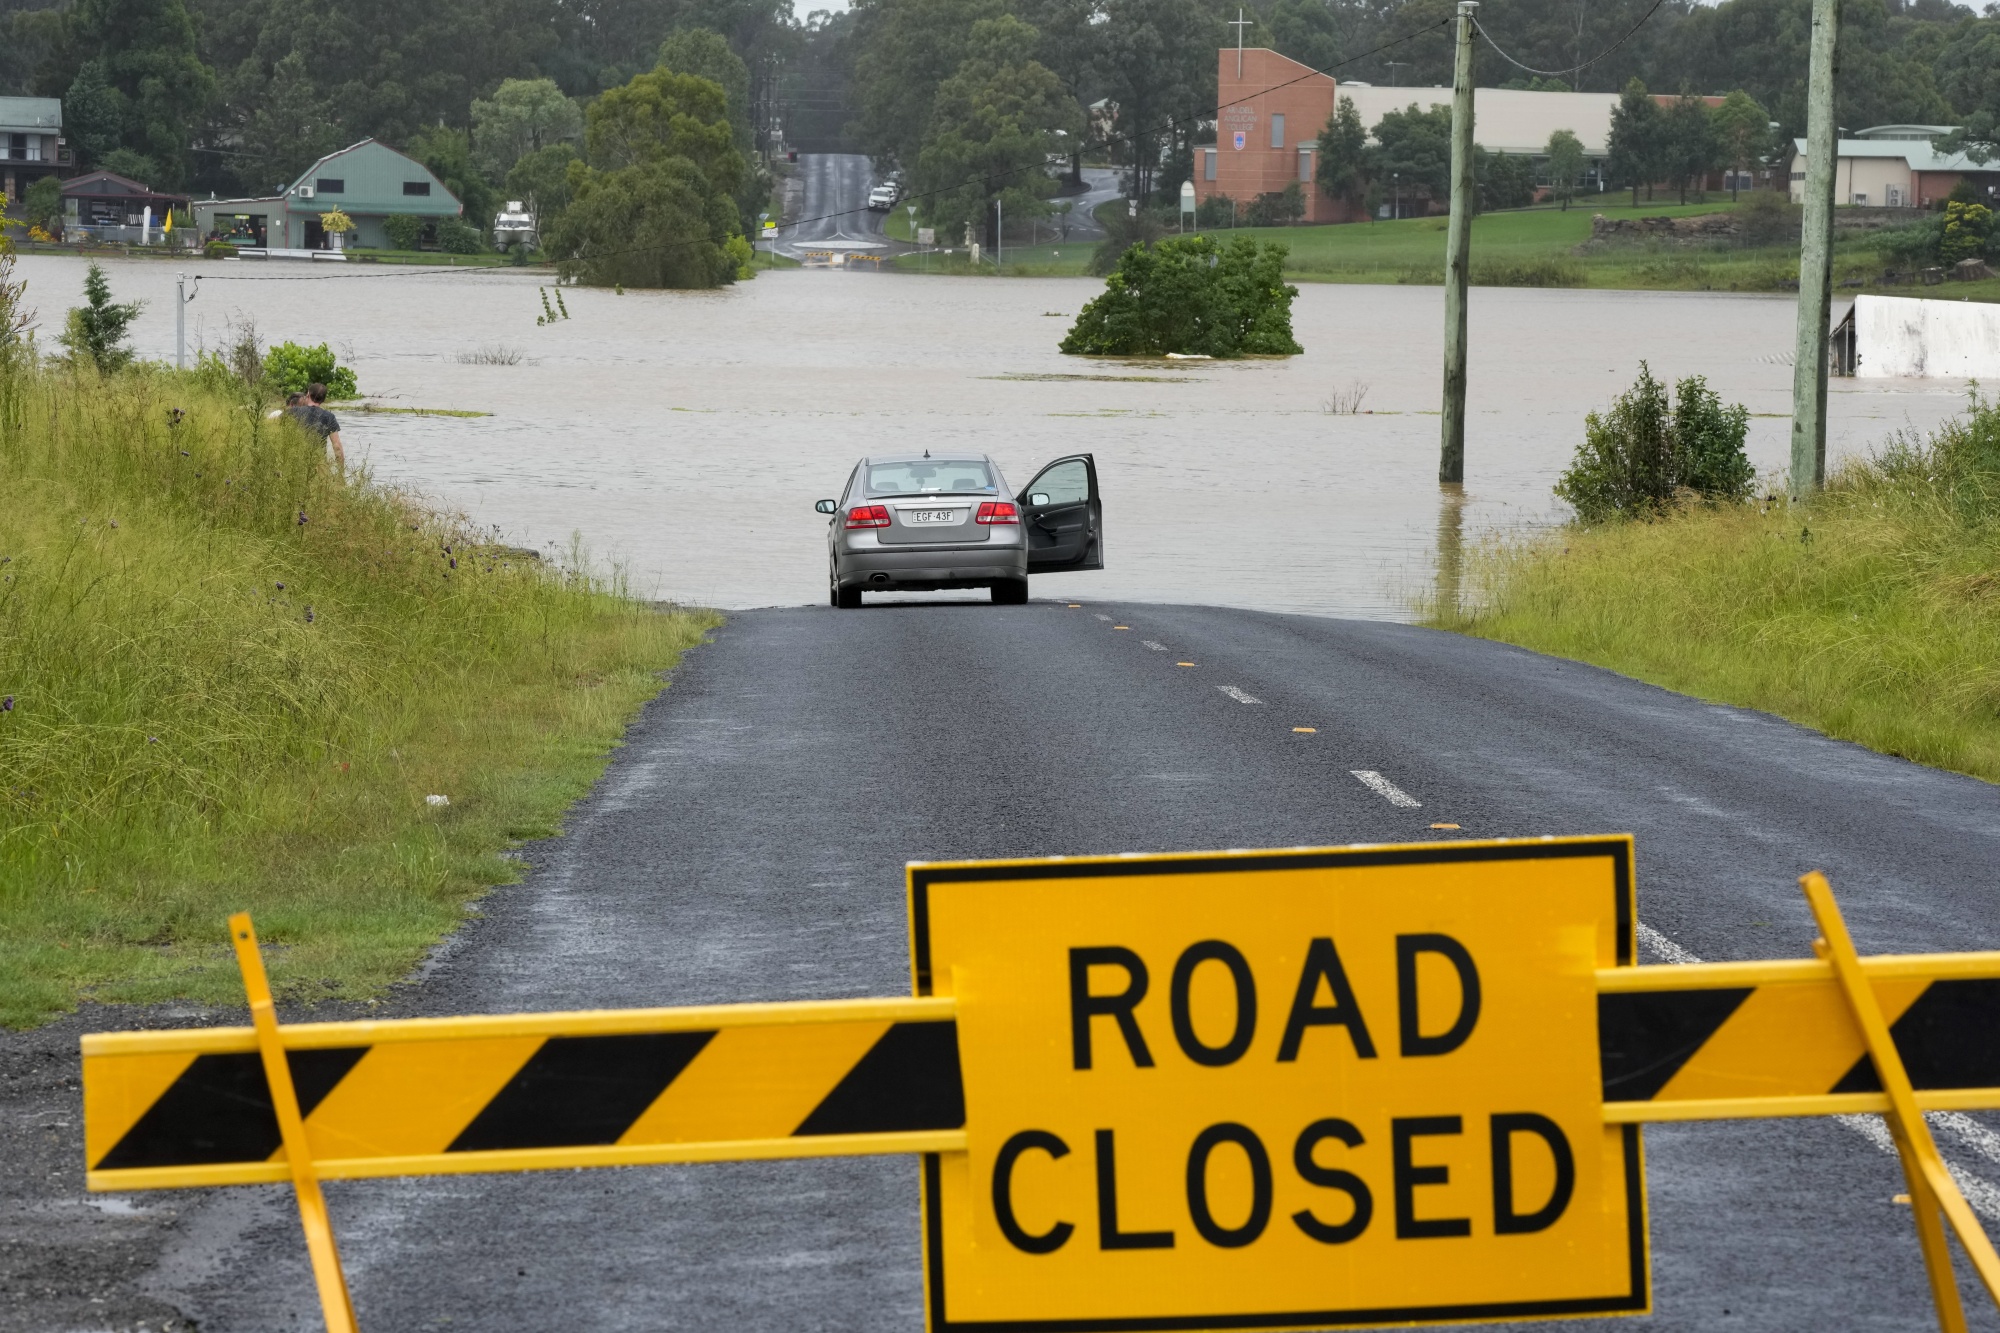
[369, 181]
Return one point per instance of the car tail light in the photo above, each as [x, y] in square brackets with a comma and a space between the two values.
[868, 516]
[996, 511]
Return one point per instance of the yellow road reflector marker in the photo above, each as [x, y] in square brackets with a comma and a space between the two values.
[1121, 627]
[1183, 664]
[1076, 606]
[1308, 731]
[1441, 826]
[1281, 1090]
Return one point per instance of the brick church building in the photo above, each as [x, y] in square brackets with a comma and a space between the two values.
[1266, 136]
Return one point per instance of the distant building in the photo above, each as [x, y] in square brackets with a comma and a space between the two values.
[104, 206]
[31, 142]
[1894, 166]
[1272, 111]
[369, 181]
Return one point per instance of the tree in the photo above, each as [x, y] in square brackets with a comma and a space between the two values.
[523, 116]
[146, 52]
[1159, 69]
[706, 55]
[651, 207]
[1343, 155]
[1742, 131]
[292, 127]
[1191, 294]
[1969, 74]
[1637, 457]
[1691, 147]
[905, 49]
[42, 205]
[1413, 147]
[93, 114]
[655, 223]
[448, 154]
[992, 131]
[541, 180]
[1506, 180]
[1637, 135]
[1305, 30]
[1070, 46]
[95, 331]
[1565, 152]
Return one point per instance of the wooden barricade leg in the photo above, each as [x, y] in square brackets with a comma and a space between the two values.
[1934, 1195]
[334, 1302]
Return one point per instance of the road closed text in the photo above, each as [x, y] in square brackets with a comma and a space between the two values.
[1426, 1155]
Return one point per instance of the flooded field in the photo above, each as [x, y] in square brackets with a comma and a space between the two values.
[686, 435]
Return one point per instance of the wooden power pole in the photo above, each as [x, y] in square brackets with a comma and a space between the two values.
[1815, 258]
[1458, 253]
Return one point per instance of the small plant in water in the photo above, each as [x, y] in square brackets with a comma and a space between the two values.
[1346, 402]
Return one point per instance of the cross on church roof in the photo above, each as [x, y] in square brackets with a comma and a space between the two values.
[1240, 23]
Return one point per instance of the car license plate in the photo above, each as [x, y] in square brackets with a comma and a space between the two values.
[914, 516]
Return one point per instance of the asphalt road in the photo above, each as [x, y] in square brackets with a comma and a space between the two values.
[748, 844]
[836, 204]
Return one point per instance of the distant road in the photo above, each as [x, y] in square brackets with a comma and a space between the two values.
[836, 203]
[748, 844]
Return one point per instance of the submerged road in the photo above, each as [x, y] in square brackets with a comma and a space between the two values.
[748, 844]
[835, 210]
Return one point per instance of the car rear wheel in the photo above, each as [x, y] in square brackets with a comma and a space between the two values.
[846, 599]
[1010, 592]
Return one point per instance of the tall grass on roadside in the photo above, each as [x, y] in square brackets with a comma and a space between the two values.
[1872, 613]
[230, 679]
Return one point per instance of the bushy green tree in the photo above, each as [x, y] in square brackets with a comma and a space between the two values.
[1565, 152]
[992, 132]
[1342, 167]
[1691, 147]
[904, 49]
[1638, 456]
[405, 231]
[523, 116]
[653, 206]
[146, 52]
[448, 154]
[1637, 149]
[1191, 294]
[1506, 180]
[1743, 131]
[42, 205]
[541, 180]
[1413, 148]
[292, 127]
[1277, 208]
[96, 330]
[1158, 68]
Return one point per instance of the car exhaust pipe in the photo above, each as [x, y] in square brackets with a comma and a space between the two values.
[878, 578]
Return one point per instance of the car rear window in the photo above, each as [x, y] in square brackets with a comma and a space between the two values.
[930, 474]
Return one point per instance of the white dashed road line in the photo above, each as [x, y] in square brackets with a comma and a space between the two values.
[1982, 1194]
[1102, 616]
[1386, 789]
[1239, 695]
[1156, 647]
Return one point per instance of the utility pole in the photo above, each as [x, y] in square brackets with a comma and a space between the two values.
[1458, 253]
[181, 298]
[1815, 258]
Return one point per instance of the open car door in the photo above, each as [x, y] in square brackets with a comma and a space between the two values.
[1063, 518]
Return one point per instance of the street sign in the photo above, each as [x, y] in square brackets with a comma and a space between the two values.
[1187, 196]
[1281, 1090]
[927, 236]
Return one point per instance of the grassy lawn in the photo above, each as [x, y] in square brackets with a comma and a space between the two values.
[1871, 614]
[232, 679]
[1520, 248]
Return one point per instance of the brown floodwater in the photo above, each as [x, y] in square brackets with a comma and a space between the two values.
[685, 435]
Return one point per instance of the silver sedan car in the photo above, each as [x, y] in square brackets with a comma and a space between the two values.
[918, 523]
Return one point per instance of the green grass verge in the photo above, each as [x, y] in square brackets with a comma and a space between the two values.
[1871, 614]
[231, 679]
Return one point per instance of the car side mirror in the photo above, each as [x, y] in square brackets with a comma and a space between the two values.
[827, 506]
[1038, 498]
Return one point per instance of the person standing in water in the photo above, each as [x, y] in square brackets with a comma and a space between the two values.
[312, 413]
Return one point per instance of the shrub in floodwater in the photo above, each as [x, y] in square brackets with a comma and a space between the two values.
[1635, 458]
[1189, 294]
[290, 368]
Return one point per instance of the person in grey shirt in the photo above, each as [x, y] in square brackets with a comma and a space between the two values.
[314, 416]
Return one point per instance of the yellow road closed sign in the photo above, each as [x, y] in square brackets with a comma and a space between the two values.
[1281, 1090]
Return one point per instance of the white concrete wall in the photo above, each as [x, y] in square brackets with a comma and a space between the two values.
[1902, 336]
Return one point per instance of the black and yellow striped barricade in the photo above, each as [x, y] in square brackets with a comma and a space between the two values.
[1248, 1090]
